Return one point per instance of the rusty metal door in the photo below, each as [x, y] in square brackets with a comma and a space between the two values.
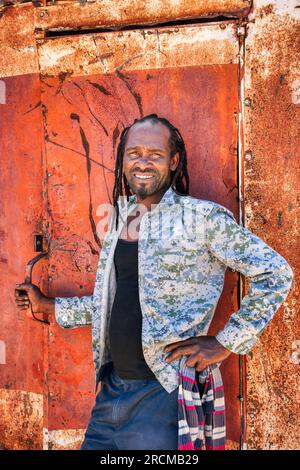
[92, 85]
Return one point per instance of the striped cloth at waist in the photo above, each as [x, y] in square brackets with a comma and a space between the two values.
[201, 416]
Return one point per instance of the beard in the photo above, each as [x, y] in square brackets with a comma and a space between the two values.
[143, 190]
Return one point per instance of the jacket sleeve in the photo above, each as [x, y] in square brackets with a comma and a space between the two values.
[72, 312]
[269, 273]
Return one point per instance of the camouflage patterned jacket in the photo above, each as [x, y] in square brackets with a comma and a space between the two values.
[182, 262]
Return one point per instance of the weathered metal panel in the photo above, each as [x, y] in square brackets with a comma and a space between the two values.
[17, 41]
[86, 105]
[181, 46]
[272, 181]
[19, 26]
[23, 383]
[21, 411]
[56, 15]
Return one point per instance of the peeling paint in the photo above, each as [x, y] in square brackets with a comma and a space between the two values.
[132, 50]
[91, 54]
[21, 420]
[17, 41]
[65, 439]
[291, 8]
[295, 87]
[53, 56]
[123, 12]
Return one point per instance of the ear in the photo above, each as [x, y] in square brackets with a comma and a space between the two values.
[174, 161]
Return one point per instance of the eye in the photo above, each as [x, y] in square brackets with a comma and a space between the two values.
[156, 155]
[133, 154]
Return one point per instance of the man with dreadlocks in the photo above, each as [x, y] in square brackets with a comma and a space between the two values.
[159, 278]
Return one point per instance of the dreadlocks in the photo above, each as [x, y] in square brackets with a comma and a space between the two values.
[180, 177]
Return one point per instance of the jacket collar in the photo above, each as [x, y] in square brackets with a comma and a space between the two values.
[168, 198]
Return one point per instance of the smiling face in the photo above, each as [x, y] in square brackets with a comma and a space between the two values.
[147, 162]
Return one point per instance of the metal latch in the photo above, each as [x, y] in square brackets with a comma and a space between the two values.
[38, 246]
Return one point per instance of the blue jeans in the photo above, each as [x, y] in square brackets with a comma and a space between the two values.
[132, 414]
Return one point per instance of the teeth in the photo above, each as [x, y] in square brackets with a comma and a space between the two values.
[143, 177]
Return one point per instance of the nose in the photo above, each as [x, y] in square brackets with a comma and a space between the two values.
[144, 164]
[144, 160]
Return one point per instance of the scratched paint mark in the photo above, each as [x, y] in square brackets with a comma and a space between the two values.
[34, 107]
[86, 147]
[89, 108]
[62, 77]
[131, 90]
[100, 88]
[116, 134]
[129, 60]
[289, 311]
[47, 138]
[93, 251]
[279, 218]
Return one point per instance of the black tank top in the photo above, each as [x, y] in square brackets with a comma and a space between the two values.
[125, 326]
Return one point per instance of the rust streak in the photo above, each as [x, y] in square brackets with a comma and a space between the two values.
[34, 107]
[132, 91]
[99, 87]
[86, 147]
[89, 108]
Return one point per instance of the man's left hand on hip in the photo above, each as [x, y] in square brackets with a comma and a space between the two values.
[202, 351]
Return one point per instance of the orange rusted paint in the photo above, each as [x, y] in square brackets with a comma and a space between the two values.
[24, 368]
